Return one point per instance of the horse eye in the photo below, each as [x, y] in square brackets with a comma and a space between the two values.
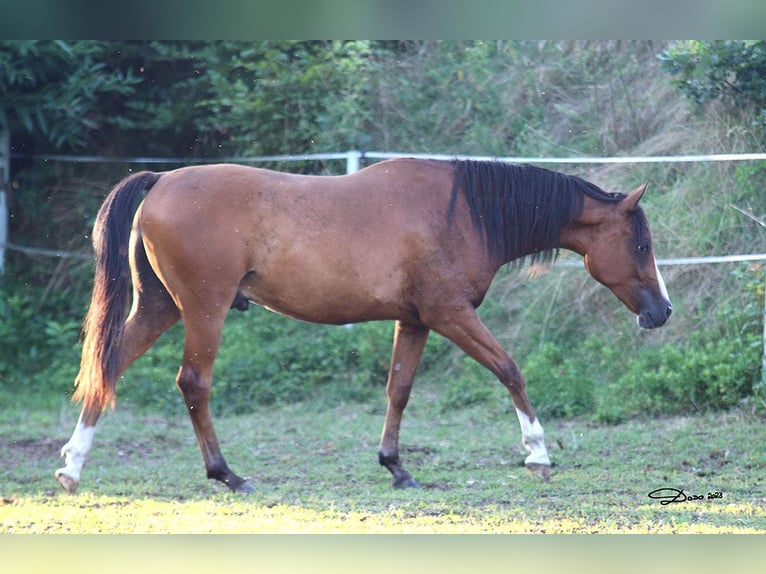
[643, 247]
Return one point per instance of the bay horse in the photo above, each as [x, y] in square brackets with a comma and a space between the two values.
[413, 241]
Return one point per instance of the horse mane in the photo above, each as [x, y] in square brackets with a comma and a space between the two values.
[520, 209]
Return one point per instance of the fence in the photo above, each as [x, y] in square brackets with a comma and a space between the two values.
[5, 175]
[354, 159]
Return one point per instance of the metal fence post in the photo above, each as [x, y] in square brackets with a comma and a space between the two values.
[5, 176]
[763, 365]
[352, 161]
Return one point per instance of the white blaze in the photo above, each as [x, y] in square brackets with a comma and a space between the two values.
[661, 281]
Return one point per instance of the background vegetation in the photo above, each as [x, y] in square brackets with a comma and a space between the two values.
[579, 348]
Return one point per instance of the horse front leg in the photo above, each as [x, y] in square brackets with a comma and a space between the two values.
[464, 328]
[409, 342]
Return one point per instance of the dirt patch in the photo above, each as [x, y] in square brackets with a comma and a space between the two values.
[31, 449]
[18, 451]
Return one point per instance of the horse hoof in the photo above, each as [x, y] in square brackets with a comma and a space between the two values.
[246, 488]
[542, 471]
[405, 482]
[67, 482]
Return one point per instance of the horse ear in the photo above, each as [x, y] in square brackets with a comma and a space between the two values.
[632, 199]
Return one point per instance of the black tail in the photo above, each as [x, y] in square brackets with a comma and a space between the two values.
[104, 323]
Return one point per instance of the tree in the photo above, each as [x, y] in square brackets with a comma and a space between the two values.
[52, 92]
[173, 98]
[731, 71]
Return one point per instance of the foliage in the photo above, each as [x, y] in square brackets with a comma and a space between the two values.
[469, 384]
[750, 180]
[267, 359]
[732, 71]
[39, 351]
[495, 98]
[710, 369]
[214, 99]
[602, 372]
[172, 98]
[57, 89]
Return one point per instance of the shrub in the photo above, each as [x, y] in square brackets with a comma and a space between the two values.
[733, 71]
[38, 354]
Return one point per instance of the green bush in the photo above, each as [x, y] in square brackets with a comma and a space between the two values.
[725, 69]
[37, 353]
[469, 384]
[611, 378]
[560, 380]
[712, 369]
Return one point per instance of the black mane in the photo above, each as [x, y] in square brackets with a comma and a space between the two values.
[520, 209]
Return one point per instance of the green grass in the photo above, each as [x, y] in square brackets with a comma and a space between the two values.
[316, 470]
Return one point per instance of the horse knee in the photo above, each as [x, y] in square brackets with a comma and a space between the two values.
[399, 395]
[192, 386]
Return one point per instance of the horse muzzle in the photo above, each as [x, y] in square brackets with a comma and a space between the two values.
[656, 315]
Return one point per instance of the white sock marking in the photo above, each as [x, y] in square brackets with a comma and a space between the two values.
[532, 436]
[76, 450]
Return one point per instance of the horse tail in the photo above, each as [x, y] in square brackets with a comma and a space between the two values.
[105, 320]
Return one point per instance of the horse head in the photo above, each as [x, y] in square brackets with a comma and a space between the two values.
[617, 249]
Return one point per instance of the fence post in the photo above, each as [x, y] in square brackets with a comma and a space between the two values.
[5, 176]
[352, 161]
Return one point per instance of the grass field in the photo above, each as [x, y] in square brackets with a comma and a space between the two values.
[316, 471]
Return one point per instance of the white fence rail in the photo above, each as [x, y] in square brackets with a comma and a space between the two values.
[355, 157]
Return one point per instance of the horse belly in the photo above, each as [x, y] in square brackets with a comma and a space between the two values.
[328, 293]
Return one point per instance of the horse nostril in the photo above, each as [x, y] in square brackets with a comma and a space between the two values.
[668, 311]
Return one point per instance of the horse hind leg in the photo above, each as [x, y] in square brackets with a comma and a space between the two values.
[75, 451]
[141, 330]
[152, 314]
